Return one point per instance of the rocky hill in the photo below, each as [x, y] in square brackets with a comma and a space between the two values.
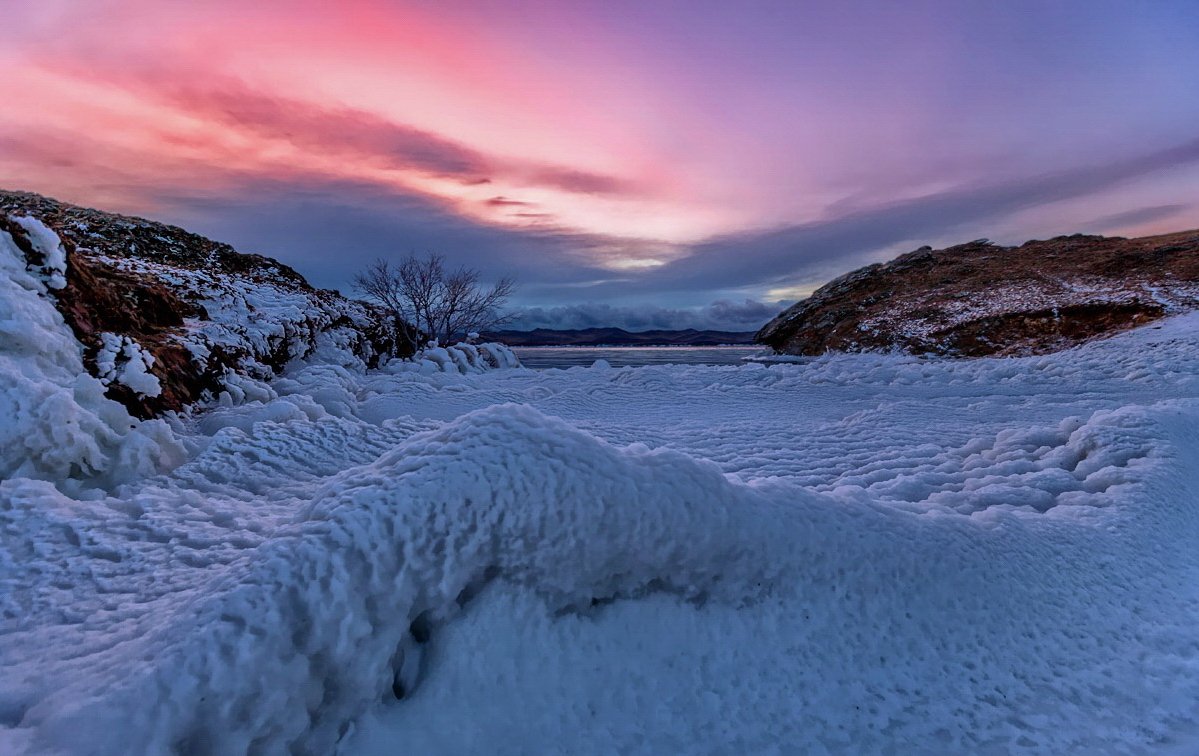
[165, 317]
[980, 299]
[618, 337]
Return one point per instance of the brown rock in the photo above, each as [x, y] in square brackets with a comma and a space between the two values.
[150, 282]
[980, 299]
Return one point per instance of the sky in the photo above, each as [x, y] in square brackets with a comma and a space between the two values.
[639, 164]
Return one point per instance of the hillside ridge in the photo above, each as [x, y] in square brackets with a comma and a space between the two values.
[982, 299]
[166, 318]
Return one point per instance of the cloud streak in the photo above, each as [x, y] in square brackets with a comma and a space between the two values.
[670, 158]
[806, 252]
[1139, 216]
[354, 134]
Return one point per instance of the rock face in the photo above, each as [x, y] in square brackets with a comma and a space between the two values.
[166, 317]
[980, 299]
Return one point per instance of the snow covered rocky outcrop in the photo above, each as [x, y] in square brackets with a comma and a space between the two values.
[165, 317]
[148, 320]
[56, 421]
[981, 299]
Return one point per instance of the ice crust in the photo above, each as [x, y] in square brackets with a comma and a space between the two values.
[856, 554]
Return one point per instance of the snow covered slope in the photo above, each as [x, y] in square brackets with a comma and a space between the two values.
[166, 318]
[87, 339]
[982, 299]
[857, 554]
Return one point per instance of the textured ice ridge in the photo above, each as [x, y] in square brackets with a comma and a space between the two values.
[324, 613]
[289, 644]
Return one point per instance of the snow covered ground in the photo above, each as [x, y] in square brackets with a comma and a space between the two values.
[852, 554]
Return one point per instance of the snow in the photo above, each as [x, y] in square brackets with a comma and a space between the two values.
[849, 554]
[47, 244]
[123, 360]
[258, 320]
[459, 358]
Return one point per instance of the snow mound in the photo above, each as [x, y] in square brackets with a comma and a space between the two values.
[278, 638]
[1026, 470]
[459, 358]
[329, 608]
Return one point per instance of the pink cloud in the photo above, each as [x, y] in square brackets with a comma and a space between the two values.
[638, 121]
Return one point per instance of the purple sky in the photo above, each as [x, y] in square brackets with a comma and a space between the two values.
[628, 162]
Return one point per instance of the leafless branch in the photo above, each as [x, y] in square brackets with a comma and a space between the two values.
[438, 304]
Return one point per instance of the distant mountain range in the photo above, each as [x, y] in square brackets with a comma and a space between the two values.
[618, 337]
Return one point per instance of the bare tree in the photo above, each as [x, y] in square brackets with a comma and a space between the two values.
[439, 305]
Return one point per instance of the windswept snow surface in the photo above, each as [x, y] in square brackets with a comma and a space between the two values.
[856, 554]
